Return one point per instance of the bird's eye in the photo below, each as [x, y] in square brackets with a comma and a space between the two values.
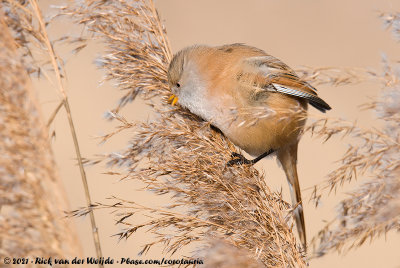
[178, 85]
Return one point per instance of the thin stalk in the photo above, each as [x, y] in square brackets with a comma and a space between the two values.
[53, 115]
[71, 125]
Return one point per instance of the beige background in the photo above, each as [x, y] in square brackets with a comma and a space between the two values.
[313, 33]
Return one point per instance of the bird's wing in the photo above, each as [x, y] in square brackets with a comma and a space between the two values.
[278, 77]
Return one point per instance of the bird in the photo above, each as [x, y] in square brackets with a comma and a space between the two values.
[258, 102]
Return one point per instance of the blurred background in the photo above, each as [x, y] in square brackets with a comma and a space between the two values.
[300, 33]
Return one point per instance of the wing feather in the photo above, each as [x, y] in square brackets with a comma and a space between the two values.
[284, 80]
[313, 99]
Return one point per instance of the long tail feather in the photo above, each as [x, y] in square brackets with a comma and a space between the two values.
[288, 158]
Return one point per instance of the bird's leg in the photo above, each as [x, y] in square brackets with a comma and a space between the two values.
[239, 159]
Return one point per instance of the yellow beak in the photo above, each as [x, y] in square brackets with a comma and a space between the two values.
[174, 99]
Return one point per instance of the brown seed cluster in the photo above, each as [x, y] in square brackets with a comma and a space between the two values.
[179, 154]
[32, 198]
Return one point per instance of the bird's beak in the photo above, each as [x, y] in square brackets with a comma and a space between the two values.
[173, 99]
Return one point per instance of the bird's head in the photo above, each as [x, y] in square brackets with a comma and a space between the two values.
[183, 74]
[175, 72]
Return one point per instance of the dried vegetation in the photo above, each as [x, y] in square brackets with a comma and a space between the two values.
[373, 157]
[186, 158]
[228, 209]
[32, 198]
[179, 154]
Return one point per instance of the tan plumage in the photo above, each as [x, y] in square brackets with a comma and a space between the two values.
[256, 100]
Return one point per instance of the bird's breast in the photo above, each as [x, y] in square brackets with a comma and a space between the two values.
[273, 124]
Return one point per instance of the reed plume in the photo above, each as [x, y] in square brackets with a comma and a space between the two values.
[176, 153]
[32, 196]
[373, 208]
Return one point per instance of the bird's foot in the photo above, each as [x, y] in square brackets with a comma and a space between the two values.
[238, 159]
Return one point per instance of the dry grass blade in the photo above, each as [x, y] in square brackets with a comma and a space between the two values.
[32, 197]
[184, 156]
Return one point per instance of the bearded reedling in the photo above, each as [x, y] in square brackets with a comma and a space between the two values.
[224, 84]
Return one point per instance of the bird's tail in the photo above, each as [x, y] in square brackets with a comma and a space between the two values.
[288, 157]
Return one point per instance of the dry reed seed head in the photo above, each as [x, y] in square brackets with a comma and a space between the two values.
[372, 208]
[28, 36]
[222, 254]
[247, 117]
[32, 198]
[336, 76]
[392, 21]
[138, 50]
[389, 105]
[220, 199]
[179, 154]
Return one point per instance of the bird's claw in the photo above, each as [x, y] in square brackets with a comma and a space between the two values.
[238, 159]
[235, 154]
